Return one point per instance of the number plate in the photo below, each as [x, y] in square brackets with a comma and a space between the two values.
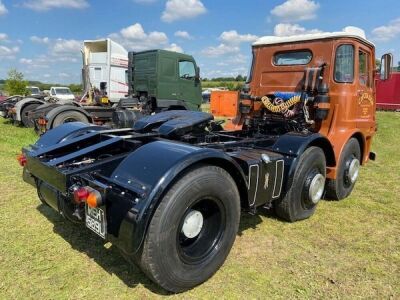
[96, 220]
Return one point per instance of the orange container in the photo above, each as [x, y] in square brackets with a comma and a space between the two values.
[224, 103]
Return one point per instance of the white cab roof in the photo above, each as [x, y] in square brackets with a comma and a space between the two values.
[349, 31]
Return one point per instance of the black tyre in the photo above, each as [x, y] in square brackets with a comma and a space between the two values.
[192, 230]
[347, 172]
[307, 187]
[69, 116]
[24, 115]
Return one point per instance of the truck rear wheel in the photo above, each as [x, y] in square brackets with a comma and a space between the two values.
[347, 172]
[24, 115]
[69, 116]
[307, 187]
[192, 230]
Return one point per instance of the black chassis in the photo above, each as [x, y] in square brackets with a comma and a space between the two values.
[99, 114]
[134, 167]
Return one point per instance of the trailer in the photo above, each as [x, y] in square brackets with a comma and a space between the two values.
[388, 93]
[169, 191]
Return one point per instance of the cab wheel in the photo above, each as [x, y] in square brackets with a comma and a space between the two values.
[307, 187]
[192, 229]
[69, 116]
[347, 172]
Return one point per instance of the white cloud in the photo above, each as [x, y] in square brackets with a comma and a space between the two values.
[26, 61]
[387, 32]
[39, 40]
[3, 9]
[135, 38]
[295, 10]
[183, 35]
[221, 49]
[182, 9]
[174, 47]
[286, 29]
[8, 52]
[233, 37]
[63, 75]
[66, 47]
[3, 37]
[46, 75]
[45, 61]
[43, 5]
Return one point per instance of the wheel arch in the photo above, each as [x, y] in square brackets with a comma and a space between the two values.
[173, 162]
[20, 105]
[326, 146]
[361, 142]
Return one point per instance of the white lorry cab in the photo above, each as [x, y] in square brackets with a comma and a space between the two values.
[105, 64]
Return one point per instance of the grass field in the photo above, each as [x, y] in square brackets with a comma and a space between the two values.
[348, 249]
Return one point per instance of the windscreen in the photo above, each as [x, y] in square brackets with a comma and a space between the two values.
[34, 90]
[63, 91]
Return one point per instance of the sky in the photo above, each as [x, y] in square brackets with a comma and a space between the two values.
[43, 38]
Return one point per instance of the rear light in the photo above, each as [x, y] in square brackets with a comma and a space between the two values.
[89, 195]
[81, 194]
[22, 160]
[42, 121]
[94, 199]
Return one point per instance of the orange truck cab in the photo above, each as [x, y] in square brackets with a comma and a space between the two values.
[337, 69]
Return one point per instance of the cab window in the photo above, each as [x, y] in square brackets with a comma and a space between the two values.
[363, 68]
[344, 64]
[290, 58]
[187, 70]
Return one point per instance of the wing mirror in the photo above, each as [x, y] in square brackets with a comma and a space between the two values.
[386, 66]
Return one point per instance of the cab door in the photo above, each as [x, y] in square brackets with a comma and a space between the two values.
[189, 86]
[365, 111]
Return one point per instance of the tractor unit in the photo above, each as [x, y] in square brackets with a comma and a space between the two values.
[169, 191]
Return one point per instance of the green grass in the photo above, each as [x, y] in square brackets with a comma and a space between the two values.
[231, 85]
[348, 249]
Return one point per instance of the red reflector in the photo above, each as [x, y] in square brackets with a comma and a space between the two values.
[42, 121]
[81, 194]
[21, 160]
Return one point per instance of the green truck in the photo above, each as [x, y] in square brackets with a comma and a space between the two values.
[171, 79]
[157, 80]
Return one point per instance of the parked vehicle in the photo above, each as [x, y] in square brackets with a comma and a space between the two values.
[104, 67]
[2, 97]
[62, 94]
[168, 192]
[157, 80]
[388, 93]
[17, 107]
[34, 91]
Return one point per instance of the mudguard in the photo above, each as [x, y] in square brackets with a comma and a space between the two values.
[52, 114]
[22, 103]
[65, 132]
[154, 167]
[292, 145]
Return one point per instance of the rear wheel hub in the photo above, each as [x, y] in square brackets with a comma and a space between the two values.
[192, 224]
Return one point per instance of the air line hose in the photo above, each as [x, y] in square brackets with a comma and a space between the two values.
[282, 107]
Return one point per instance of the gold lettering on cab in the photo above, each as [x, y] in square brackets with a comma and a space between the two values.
[365, 102]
